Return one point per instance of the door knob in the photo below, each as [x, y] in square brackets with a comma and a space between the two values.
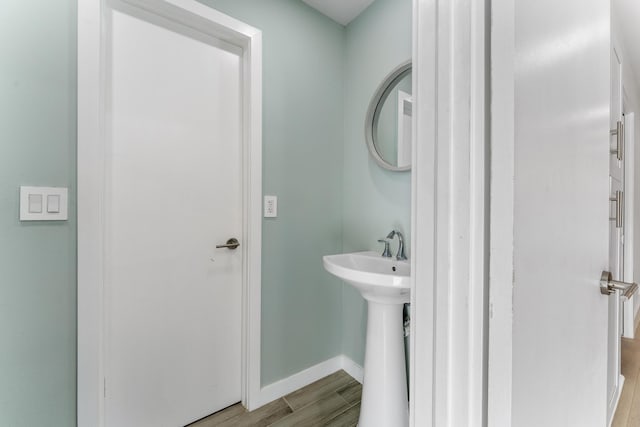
[232, 243]
[609, 286]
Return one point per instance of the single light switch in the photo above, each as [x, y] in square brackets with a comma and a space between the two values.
[35, 203]
[270, 206]
[53, 203]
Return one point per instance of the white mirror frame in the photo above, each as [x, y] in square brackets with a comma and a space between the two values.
[373, 114]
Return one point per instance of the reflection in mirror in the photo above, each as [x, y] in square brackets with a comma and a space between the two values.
[388, 122]
[393, 136]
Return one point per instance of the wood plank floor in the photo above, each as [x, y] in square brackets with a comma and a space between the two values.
[332, 401]
[628, 412]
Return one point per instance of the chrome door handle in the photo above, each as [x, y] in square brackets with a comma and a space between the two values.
[609, 286]
[619, 133]
[618, 199]
[232, 243]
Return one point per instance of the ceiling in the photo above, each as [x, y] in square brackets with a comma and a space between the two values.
[627, 13]
[341, 11]
[628, 16]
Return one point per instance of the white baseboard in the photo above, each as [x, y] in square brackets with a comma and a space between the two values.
[352, 368]
[296, 381]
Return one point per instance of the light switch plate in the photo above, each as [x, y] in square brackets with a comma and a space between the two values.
[270, 206]
[53, 203]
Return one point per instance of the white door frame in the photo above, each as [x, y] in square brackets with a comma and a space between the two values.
[91, 185]
[449, 214]
[612, 404]
[501, 236]
[628, 327]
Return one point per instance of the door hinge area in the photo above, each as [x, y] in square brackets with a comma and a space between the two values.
[619, 133]
[618, 199]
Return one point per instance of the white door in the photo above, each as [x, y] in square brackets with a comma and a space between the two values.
[561, 67]
[616, 187]
[173, 301]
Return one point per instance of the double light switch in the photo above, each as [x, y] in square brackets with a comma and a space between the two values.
[43, 204]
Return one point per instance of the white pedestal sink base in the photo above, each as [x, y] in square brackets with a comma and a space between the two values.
[386, 285]
[384, 389]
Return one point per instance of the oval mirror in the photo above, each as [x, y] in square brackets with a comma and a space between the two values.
[388, 121]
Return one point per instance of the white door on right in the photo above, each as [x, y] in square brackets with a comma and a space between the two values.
[560, 318]
[616, 187]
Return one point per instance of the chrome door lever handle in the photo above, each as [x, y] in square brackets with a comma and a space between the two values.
[609, 286]
[232, 243]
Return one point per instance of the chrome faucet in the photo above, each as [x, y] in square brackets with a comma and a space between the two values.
[400, 255]
[386, 253]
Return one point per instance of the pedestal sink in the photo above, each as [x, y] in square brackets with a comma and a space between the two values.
[385, 284]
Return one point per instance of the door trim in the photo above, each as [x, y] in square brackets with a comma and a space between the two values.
[501, 235]
[612, 404]
[628, 327]
[449, 214]
[91, 189]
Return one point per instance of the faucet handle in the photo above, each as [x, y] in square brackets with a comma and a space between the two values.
[387, 252]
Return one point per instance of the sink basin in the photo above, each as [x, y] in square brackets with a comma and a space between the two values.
[377, 278]
[386, 285]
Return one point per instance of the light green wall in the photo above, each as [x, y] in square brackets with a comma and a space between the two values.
[375, 201]
[303, 141]
[37, 260]
[318, 79]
